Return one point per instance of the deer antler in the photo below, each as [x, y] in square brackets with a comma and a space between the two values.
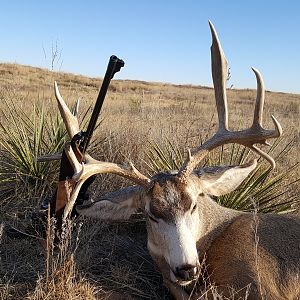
[90, 166]
[70, 120]
[256, 134]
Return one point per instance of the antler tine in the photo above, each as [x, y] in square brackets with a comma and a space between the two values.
[259, 107]
[258, 119]
[82, 171]
[74, 194]
[219, 74]
[278, 129]
[265, 155]
[70, 121]
[260, 99]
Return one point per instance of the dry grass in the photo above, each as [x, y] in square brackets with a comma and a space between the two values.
[61, 279]
[64, 285]
[111, 260]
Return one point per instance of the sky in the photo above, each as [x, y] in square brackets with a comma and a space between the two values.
[160, 41]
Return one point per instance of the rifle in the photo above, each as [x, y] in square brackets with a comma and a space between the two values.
[79, 143]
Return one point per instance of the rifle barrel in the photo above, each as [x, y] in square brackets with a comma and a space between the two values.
[114, 66]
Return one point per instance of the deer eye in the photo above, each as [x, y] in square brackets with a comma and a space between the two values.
[194, 208]
[152, 219]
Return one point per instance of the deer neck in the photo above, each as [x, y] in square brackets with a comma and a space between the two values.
[214, 219]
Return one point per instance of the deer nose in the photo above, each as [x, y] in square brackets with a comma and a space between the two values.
[187, 272]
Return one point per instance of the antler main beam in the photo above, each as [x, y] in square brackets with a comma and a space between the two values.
[256, 134]
[219, 68]
[91, 167]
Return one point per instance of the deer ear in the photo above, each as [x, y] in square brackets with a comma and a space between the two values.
[218, 181]
[117, 205]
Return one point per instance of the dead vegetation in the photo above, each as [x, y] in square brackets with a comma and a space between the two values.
[111, 260]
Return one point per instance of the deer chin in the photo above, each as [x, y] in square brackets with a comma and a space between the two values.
[180, 282]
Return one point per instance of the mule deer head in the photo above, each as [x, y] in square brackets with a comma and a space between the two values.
[182, 218]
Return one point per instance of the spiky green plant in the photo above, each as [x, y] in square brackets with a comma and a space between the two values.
[23, 138]
[163, 158]
[262, 190]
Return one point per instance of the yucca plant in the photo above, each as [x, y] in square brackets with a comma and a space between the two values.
[23, 138]
[163, 158]
[262, 190]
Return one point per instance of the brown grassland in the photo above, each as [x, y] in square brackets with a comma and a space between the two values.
[110, 261]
